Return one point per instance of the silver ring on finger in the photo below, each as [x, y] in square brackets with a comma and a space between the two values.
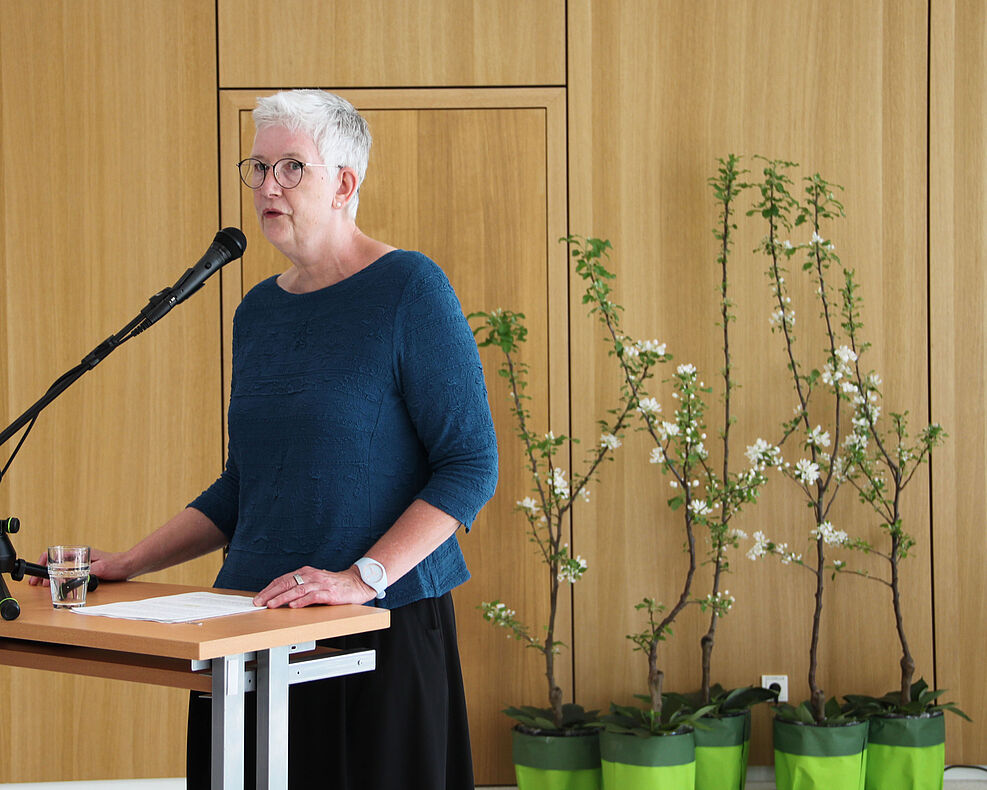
[298, 579]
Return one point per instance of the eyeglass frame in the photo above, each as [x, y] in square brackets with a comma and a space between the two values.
[272, 168]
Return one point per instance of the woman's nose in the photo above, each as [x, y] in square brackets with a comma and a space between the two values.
[270, 185]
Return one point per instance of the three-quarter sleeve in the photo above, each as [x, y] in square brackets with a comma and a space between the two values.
[220, 502]
[439, 374]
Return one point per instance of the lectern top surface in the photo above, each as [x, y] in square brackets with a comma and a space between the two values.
[221, 636]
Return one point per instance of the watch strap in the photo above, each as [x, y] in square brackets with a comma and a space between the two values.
[373, 575]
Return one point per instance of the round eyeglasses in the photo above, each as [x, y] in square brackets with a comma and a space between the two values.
[287, 172]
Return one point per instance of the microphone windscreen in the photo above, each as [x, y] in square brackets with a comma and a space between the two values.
[233, 241]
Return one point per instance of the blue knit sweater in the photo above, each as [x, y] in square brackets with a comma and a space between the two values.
[347, 404]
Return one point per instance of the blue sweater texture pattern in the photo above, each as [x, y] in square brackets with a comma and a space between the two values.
[347, 404]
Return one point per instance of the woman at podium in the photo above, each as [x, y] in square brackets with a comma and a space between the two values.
[360, 440]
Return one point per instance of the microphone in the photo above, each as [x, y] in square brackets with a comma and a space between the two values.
[228, 245]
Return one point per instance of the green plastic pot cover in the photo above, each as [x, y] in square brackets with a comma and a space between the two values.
[722, 751]
[906, 752]
[631, 762]
[554, 762]
[809, 757]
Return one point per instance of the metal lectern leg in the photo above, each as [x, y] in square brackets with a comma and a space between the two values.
[272, 719]
[227, 723]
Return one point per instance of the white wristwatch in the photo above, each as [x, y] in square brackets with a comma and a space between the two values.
[373, 574]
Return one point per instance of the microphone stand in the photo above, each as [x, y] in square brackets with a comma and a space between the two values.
[9, 562]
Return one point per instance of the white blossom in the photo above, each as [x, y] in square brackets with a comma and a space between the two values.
[609, 441]
[829, 535]
[846, 355]
[831, 375]
[571, 569]
[762, 453]
[780, 316]
[657, 456]
[700, 507]
[760, 547]
[806, 471]
[497, 613]
[687, 370]
[721, 602]
[559, 484]
[667, 429]
[652, 345]
[841, 467]
[818, 437]
[528, 504]
[649, 406]
[753, 478]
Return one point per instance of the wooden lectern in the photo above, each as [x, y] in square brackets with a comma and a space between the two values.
[263, 652]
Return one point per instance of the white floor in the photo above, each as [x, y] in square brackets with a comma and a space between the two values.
[759, 777]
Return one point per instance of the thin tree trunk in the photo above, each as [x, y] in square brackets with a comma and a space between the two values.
[817, 697]
[708, 638]
[554, 692]
[656, 679]
[907, 662]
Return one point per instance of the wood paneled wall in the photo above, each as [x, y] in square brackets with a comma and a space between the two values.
[109, 194]
[377, 43]
[657, 91]
[109, 145]
[958, 294]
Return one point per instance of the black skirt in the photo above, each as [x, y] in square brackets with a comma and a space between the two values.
[399, 727]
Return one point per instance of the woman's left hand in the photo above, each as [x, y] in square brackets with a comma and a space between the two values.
[316, 587]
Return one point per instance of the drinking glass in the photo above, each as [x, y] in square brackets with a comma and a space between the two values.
[68, 570]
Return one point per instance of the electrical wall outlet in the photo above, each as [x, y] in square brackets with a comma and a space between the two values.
[777, 682]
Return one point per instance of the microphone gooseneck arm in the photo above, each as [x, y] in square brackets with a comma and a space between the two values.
[228, 245]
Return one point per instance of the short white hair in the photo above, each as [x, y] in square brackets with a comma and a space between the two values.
[339, 132]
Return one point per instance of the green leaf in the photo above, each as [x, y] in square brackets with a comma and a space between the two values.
[832, 708]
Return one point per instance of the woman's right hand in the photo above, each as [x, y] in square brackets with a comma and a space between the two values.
[111, 566]
[107, 565]
[185, 536]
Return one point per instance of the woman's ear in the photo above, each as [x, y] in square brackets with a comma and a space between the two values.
[347, 186]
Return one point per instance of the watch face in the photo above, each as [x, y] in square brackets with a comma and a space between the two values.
[372, 572]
